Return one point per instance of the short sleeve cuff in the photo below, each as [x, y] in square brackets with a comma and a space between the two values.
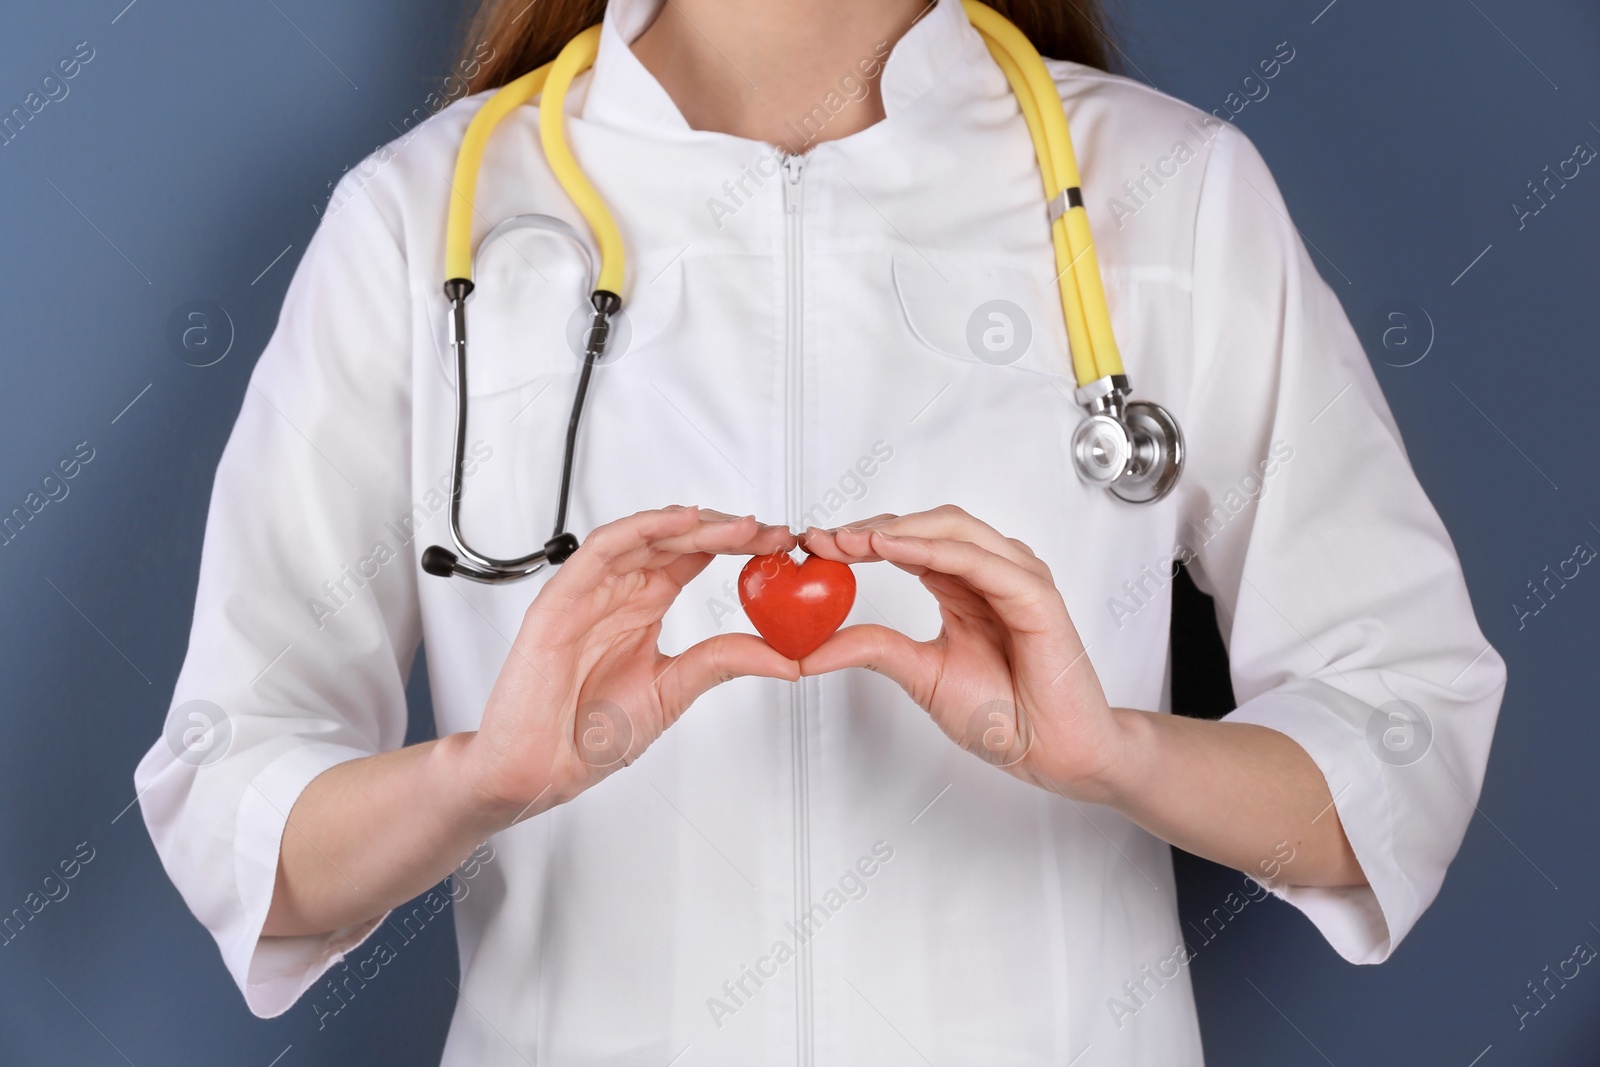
[273, 972]
[1362, 923]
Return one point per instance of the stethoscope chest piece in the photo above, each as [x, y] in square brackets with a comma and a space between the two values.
[1101, 448]
[1158, 454]
[1133, 449]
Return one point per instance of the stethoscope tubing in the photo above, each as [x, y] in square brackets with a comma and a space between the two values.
[479, 566]
[1135, 451]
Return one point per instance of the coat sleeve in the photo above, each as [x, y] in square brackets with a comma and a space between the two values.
[306, 616]
[1338, 591]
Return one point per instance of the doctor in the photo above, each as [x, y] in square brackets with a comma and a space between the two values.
[856, 335]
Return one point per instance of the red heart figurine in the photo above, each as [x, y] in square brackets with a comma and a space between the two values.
[796, 606]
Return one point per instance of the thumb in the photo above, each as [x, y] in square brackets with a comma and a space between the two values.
[882, 649]
[715, 660]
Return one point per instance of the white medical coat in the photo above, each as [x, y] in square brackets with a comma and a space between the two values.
[814, 866]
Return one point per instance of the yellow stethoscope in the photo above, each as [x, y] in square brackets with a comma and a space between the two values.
[1134, 449]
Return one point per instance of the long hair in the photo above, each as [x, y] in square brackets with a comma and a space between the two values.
[521, 37]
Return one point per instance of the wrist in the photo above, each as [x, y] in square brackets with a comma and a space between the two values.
[1123, 772]
[469, 792]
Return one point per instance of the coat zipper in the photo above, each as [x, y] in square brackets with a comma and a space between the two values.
[794, 169]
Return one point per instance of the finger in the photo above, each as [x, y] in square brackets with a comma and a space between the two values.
[652, 539]
[595, 558]
[742, 536]
[823, 542]
[1023, 600]
[845, 545]
[949, 522]
[873, 520]
[736, 536]
[715, 660]
[678, 542]
[683, 569]
[715, 514]
[881, 649]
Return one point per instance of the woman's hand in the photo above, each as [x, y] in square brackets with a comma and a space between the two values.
[1007, 677]
[585, 689]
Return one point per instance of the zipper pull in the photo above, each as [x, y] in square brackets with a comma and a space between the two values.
[793, 166]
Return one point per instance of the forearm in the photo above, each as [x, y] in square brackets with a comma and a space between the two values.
[1235, 793]
[369, 834]
[372, 833]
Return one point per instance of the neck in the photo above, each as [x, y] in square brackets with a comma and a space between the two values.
[792, 73]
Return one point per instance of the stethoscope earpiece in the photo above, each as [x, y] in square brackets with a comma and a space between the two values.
[439, 561]
[560, 547]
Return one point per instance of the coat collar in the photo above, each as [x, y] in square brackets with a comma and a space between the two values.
[940, 48]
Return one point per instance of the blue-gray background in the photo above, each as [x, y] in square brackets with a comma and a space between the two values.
[192, 151]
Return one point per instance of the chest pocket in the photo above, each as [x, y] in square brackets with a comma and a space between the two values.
[529, 310]
[984, 311]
